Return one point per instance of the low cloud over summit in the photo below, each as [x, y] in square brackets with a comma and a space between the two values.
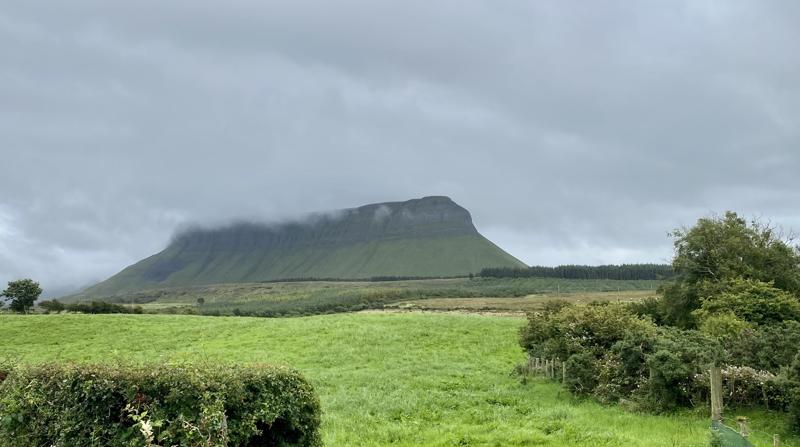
[574, 133]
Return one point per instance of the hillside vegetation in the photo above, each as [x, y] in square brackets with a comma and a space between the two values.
[383, 379]
[428, 237]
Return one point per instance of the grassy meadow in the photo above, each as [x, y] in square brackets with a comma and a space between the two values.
[405, 379]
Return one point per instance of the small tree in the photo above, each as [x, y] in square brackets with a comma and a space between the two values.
[201, 301]
[22, 294]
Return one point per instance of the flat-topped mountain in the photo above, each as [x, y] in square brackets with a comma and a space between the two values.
[427, 237]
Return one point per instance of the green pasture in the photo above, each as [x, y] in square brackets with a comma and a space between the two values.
[384, 379]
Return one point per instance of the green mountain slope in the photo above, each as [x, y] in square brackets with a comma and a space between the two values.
[425, 237]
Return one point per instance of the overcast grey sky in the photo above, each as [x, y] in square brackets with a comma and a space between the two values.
[575, 132]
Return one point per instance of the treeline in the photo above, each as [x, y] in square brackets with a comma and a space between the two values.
[625, 272]
[94, 307]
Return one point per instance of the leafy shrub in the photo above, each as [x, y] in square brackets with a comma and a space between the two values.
[793, 378]
[794, 409]
[651, 308]
[768, 347]
[725, 326]
[93, 405]
[583, 369]
[51, 306]
[623, 369]
[677, 357]
[615, 354]
[576, 329]
[749, 300]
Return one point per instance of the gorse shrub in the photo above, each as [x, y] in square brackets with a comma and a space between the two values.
[768, 347]
[677, 356]
[100, 405]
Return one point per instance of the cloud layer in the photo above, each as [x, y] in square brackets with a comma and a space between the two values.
[575, 133]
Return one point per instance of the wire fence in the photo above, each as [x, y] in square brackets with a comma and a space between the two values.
[725, 436]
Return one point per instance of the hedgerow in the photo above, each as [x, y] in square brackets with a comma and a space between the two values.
[157, 405]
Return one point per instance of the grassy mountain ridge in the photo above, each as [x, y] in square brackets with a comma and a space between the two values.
[428, 237]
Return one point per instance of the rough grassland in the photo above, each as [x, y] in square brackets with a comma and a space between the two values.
[318, 297]
[384, 379]
[521, 304]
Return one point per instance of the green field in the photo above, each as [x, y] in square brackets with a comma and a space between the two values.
[384, 379]
[317, 297]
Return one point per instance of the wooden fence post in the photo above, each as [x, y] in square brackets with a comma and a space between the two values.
[716, 393]
[744, 430]
[564, 372]
[776, 440]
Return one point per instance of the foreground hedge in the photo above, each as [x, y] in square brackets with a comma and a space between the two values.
[101, 405]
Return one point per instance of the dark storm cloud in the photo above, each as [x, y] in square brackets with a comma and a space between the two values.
[574, 132]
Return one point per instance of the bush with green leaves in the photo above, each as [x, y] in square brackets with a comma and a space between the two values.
[591, 339]
[623, 372]
[613, 354]
[155, 405]
[768, 347]
[750, 300]
[677, 356]
[724, 326]
[583, 370]
[576, 329]
[793, 393]
[51, 306]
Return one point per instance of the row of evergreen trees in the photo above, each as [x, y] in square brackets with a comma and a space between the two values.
[620, 272]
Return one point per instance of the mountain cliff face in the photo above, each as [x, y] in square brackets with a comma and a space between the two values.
[427, 237]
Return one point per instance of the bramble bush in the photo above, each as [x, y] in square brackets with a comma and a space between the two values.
[154, 405]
